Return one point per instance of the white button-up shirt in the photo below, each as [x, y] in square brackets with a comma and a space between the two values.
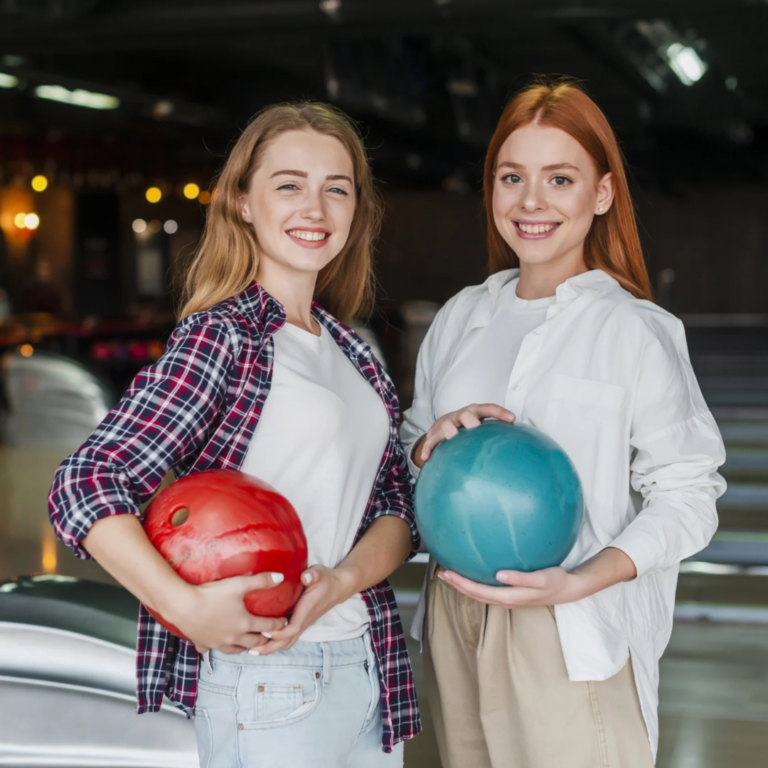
[608, 377]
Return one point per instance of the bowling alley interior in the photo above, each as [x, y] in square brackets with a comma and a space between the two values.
[115, 118]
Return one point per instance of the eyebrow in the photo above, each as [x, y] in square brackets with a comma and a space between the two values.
[553, 167]
[304, 175]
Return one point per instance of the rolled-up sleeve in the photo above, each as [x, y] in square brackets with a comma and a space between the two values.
[166, 415]
[676, 452]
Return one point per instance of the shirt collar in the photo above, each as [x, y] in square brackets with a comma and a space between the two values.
[263, 309]
[259, 306]
[592, 280]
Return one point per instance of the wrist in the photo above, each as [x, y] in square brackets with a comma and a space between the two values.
[579, 585]
[347, 582]
[174, 600]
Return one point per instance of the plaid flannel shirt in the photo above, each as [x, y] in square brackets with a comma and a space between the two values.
[197, 408]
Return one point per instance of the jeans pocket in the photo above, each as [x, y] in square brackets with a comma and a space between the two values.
[204, 736]
[280, 698]
[275, 702]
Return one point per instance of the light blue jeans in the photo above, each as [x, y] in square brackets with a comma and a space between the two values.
[317, 705]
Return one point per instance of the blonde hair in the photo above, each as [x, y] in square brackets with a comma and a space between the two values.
[227, 259]
[613, 243]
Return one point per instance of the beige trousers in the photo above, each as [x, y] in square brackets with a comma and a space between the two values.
[501, 698]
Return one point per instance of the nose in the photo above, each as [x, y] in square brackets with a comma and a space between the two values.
[534, 199]
[313, 208]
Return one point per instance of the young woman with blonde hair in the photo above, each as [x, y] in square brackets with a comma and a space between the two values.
[258, 377]
[560, 667]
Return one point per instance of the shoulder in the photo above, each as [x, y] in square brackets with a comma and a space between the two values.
[464, 305]
[640, 324]
[221, 325]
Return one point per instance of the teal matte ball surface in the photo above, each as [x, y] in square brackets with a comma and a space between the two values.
[499, 497]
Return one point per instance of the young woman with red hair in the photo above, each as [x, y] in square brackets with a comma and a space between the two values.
[560, 667]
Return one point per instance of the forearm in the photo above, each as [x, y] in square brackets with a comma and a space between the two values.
[416, 451]
[121, 547]
[380, 551]
[608, 567]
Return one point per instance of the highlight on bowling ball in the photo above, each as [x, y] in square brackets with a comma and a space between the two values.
[498, 497]
[217, 524]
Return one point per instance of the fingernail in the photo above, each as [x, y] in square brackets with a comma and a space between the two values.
[441, 576]
[267, 635]
[253, 652]
[277, 578]
[501, 576]
[307, 578]
[423, 455]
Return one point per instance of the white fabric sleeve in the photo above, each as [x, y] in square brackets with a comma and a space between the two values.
[421, 416]
[677, 449]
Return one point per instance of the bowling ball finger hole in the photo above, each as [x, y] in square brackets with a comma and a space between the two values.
[180, 516]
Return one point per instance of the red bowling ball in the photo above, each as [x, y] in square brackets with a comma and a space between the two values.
[219, 523]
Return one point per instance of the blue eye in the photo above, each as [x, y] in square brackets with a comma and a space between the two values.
[512, 178]
[339, 190]
[561, 181]
[289, 185]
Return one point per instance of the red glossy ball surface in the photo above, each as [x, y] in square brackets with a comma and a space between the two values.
[219, 523]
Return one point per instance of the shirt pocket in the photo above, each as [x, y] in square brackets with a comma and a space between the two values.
[588, 419]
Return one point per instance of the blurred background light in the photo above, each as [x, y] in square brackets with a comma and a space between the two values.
[39, 183]
[191, 191]
[154, 226]
[171, 227]
[204, 197]
[154, 195]
[8, 81]
[18, 220]
[31, 221]
[686, 63]
[78, 97]
[139, 226]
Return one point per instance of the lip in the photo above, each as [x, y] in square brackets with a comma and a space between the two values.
[311, 244]
[541, 235]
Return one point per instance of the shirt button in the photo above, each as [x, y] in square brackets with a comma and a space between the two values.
[536, 331]
[516, 388]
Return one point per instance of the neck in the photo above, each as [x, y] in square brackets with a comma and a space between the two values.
[293, 289]
[538, 281]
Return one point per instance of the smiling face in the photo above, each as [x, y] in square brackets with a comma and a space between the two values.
[546, 192]
[300, 202]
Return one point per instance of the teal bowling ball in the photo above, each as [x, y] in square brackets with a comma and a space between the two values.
[498, 497]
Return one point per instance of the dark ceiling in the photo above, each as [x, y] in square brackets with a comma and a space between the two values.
[427, 78]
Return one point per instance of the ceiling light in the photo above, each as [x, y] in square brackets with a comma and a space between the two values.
[685, 63]
[78, 97]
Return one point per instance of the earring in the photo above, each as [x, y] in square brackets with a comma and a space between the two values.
[599, 210]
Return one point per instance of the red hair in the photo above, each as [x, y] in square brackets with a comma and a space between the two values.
[613, 243]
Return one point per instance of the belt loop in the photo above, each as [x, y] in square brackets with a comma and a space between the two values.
[208, 662]
[326, 663]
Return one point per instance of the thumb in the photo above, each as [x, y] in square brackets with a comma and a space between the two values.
[312, 575]
[265, 580]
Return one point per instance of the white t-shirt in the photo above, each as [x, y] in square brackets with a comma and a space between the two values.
[319, 442]
[481, 369]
